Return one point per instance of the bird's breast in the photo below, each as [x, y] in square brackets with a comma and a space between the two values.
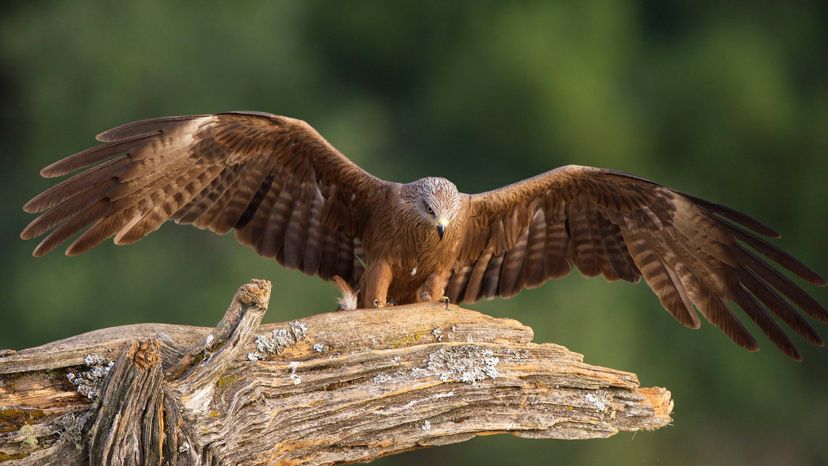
[422, 253]
[412, 247]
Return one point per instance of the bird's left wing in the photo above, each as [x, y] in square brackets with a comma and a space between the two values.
[286, 191]
[690, 252]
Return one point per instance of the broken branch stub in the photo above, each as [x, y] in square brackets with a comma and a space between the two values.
[233, 331]
[128, 426]
[337, 387]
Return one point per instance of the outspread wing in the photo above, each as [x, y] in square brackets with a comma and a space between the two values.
[691, 252]
[285, 190]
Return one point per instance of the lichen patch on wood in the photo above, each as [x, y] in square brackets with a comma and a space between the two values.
[89, 381]
[278, 340]
[348, 386]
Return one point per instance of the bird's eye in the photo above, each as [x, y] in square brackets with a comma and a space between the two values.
[430, 210]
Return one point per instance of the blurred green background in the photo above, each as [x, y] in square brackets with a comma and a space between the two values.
[728, 101]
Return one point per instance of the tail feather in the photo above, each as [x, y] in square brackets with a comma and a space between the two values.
[348, 300]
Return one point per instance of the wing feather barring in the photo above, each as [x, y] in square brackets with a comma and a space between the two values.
[290, 195]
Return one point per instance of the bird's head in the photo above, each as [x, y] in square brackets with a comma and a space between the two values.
[435, 200]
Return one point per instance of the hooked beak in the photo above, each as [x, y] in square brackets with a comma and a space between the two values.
[441, 228]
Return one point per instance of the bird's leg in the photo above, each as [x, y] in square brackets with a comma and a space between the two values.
[433, 289]
[376, 280]
[446, 300]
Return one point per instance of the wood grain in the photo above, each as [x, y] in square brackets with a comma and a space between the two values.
[347, 386]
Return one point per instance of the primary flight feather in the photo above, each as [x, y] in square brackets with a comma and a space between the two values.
[292, 196]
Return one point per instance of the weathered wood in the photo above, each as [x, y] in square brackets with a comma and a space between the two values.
[336, 387]
[128, 426]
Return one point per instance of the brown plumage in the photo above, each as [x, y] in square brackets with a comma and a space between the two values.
[292, 196]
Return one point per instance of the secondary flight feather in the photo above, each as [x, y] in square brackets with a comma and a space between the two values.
[291, 196]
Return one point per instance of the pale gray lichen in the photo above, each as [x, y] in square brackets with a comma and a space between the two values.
[89, 382]
[299, 330]
[295, 378]
[278, 340]
[516, 355]
[384, 378]
[426, 425]
[465, 363]
[93, 360]
[438, 334]
[599, 402]
[71, 429]
[319, 347]
[184, 448]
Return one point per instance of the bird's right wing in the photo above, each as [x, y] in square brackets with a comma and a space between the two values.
[691, 252]
[285, 190]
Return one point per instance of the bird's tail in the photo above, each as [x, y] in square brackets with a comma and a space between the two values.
[348, 300]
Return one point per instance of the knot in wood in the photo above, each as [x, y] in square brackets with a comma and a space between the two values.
[256, 293]
[146, 353]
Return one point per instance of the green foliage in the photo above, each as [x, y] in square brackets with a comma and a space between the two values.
[727, 101]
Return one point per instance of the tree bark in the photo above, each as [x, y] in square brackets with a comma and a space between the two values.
[338, 387]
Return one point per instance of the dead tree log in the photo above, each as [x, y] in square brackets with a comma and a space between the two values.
[337, 387]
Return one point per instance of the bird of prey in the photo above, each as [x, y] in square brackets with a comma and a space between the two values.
[290, 195]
